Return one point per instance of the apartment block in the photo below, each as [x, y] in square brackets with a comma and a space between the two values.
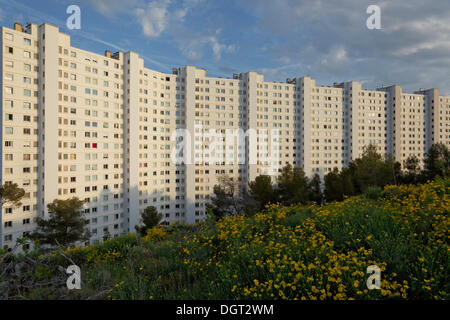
[108, 130]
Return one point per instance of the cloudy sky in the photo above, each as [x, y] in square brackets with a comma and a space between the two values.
[327, 40]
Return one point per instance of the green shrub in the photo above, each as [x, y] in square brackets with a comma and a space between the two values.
[373, 192]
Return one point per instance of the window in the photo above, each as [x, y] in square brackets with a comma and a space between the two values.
[27, 54]
[10, 50]
[27, 41]
[9, 77]
[9, 36]
[27, 67]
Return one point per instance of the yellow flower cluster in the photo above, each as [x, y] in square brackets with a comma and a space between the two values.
[112, 250]
[324, 256]
[156, 234]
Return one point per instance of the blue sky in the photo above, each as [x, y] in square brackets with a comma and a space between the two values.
[327, 40]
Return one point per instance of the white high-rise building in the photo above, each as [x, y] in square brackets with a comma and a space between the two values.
[105, 129]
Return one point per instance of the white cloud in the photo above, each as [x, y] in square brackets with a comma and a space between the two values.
[336, 55]
[157, 17]
[180, 14]
[335, 44]
[192, 45]
[187, 6]
[161, 16]
[425, 41]
[154, 18]
[218, 48]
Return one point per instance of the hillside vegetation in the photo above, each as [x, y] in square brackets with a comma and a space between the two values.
[296, 252]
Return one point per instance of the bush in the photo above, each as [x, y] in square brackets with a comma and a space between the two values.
[373, 192]
[296, 217]
[156, 234]
[324, 254]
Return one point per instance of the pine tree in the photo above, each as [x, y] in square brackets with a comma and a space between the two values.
[65, 224]
[261, 190]
[151, 218]
[11, 194]
[437, 161]
[315, 192]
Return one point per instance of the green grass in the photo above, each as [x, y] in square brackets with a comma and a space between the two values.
[282, 253]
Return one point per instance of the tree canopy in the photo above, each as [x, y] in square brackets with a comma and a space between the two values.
[65, 225]
[262, 191]
[437, 161]
[150, 218]
[292, 186]
[11, 194]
